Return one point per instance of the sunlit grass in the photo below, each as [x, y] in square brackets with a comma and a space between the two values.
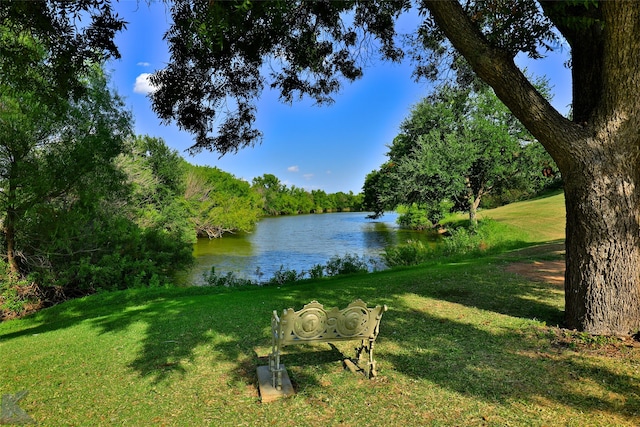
[543, 219]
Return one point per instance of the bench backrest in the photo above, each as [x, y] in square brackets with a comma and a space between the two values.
[314, 323]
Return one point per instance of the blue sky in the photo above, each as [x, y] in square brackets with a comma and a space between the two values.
[331, 148]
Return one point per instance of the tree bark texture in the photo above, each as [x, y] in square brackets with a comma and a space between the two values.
[474, 202]
[602, 246]
[10, 220]
[598, 154]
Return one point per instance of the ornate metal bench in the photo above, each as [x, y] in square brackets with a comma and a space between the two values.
[313, 323]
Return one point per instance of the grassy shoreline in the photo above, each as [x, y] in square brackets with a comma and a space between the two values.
[463, 343]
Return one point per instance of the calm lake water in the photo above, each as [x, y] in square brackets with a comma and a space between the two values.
[298, 242]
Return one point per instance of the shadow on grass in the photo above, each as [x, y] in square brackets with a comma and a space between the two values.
[172, 324]
[176, 322]
[486, 288]
[505, 367]
[233, 324]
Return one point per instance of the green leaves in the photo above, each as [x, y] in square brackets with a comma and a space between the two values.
[219, 203]
[513, 26]
[224, 53]
[278, 199]
[69, 221]
[73, 35]
[457, 146]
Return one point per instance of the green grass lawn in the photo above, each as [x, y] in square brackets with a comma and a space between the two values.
[463, 343]
[543, 218]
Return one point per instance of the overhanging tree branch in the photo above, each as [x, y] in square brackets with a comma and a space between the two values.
[497, 68]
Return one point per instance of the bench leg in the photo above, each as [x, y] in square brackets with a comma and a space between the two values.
[276, 378]
[274, 366]
[276, 370]
[372, 363]
[370, 371]
[359, 350]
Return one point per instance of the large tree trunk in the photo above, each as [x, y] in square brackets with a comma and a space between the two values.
[602, 295]
[602, 281]
[598, 154]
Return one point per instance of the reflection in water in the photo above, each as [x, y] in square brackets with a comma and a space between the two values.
[236, 244]
[298, 243]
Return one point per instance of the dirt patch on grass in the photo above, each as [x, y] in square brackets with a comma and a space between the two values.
[544, 271]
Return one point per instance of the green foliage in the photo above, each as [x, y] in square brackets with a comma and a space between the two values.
[55, 158]
[85, 208]
[457, 146]
[229, 280]
[316, 272]
[514, 27]
[219, 49]
[126, 232]
[74, 36]
[156, 178]
[18, 296]
[413, 217]
[283, 276]
[347, 264]
[321, 201]
[464, 241]
[278, 199]
[424, 215]
[218, 202]
[376, 183]
[461, 241]
[413, 252]
[108, 251]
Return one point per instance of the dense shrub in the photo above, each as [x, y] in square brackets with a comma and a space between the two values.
[413, 217]
[229, 280]
[282, 276]
[18, 297]
[489, 236]
[347, 264]
[119, 230]
[413, 252]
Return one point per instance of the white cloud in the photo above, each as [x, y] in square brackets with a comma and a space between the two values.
[143, 85]
[293, 169]
[308, 175]
[143, 64]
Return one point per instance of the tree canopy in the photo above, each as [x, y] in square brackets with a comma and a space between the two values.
[40, 141]
[219, 202]
[457, 146]
[73, 35]
[278, 199]
[220, 51]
